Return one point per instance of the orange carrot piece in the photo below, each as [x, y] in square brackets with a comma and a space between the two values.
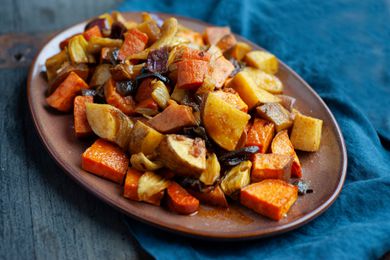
[213, 34]
[130, 189]
[144, 90]
[93, 31]
[227, 42]
[260, 134]
[106, 160]
[281, 144]
[125, 104]
[220, 70]
[271, 198]
[216, 197]
[135, 41]
[190, 73]
[147, 104]
[193, 37]
[81, 125]
[233, 99]
[271, 166]
[180, 201]
[62, 98]
[173, 118]
[193, 54]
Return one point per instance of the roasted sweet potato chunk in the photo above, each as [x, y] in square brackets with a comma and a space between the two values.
[191, 73]
[81, 125]
[124, 104]
[227, 42]
[63, 96]
[260, 134]
[281, 144]
[215, 197]
[106, 160]
[135, 41]
[194, 54]
[173, 118]
[130, 189]
[180, 201]
[213, 34]
[271, 198]
[271, 166]
[93, 31]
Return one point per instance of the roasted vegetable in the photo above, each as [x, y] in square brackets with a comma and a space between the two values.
[106, 160]
[240, 50]
[223, 123]
[151, 29]
[100, 75]
[93, 31]
[62, 98]
[213, 34]
[198, 131]
[130, 188]
[277, 114]
[173, 118]
[124, 104]
[102, 23]
[265, 80]
[125, 88]
[135, 41]
[271, 166]
[287, 102]
[147, 108]
[250, 92]
[236, 157]
[144, 139]
[303, 187]
[212, 171]
[55, 62]
[236, 178]
[109, 123]
[214, 197]
[151, 188]
[281, 144]
[157, 60]
[63, 72]
[77, 48]
[306, 133]
[226, 42]
[81, 126]
[95, 44]
[271, 198]
[117, 30]
[125, 71]
[160, 94]
[191, 73]
[142, 163]
[262, 60]
[180, 201]
[219, 71]
[260, 134]
[183, 155]
[232, 98]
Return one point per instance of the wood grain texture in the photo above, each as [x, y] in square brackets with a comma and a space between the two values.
[43, 213]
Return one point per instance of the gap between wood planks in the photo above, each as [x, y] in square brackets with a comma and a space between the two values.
[19, 50]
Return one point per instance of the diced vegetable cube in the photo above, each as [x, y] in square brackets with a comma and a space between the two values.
[287, 102]
[93, 31]
[265, 61]
[180, 201]
[173, 118]
[277, 114]
[233, 99]
[135, 41]
[265, 80]
[271, 166]
[260, 134]
[227, 42]
[81, 125]
[191, 73]
[77, 48]
[250, 92]
[239, 50]
[237, 178]
[213, 34]
[124, 104]
[144, 139]
[194, 54]
[105, 159]
[130, 189]
[62, 98]
[151, 29]
[224, 123]
[306, 133]
[281, 144]
[271, 198]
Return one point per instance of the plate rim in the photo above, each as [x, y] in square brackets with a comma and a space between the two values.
[186, 231]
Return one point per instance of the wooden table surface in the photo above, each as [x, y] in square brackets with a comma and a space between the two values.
[44, 214]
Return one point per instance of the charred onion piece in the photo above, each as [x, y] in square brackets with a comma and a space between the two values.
[198, 131]
[238, 66]
[117, 31]
[100, 22]
[235, 157]
[145, 75]
[157, 60]
[125, 88]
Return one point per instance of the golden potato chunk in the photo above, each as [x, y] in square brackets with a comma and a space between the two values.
[239, 50]
[265, 80]
[144, 139]
[265, 61]
[306, 133]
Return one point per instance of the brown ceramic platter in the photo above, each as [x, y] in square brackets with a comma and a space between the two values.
[325, 169]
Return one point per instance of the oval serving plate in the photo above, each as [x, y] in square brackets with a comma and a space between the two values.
[325, 169]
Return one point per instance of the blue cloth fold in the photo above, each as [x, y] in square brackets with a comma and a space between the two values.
[341, 48]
